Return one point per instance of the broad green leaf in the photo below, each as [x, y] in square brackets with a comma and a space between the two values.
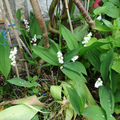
[35, 117]
[91, 41]
[81, 95]
[34, 78]
[111, 10]
[21, 82]
[117, 40]
[116, 67]
[73, 75]
[106, 99]
[116, 2]
[101, 27]
[69, 38]
[69, 113]
[34, 27]
[107, 23]
[35, 90]
[18, 15]
[68, 56]
[95, 113]
[56, 91]
[19, 112]
[46, 54]
[74, 99]
[113, 80]
[117, 108]
[75, 66]
[108, 46]
[117, 96]
[99, 10]
[29, 78]
[5, 62]
[105, 65]
[104, 1]
[96, 44]
[54, 48]
[94, 59]
[84, 89]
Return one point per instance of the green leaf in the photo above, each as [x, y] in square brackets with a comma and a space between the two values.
[117, 96]
[113, 80]
[111, 10]
[101, 27]
[69, 113]
[29, 78]
[91, 41]
[96, 44]
[21, 82]
[74, 99]
[18, 15]
[69, 55]
[54, 47]
[117, 40]
[94, 58]
[73, 75]
[116, 67]
[69, 38]
[116, 2]
[75, 66]
[34, 27]
[5, 62]
[35, 90]
[56, 91]
[46, 54]
[107, 23]
[35, 117]
[34, 78]
[99, 10]
[81, 95]
[105, 65]
[104, 1]
[106, 99]
[117, 108]
[95, 113]
[18, 112]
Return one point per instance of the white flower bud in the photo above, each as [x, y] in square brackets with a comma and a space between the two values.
[98, 83]
[74, 58]
[59, 54]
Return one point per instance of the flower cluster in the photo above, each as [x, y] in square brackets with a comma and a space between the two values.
[74, 58]
[34, 40]
[60, 57]
[12, 56]
[27, 26]
[87, 38]
[98, 83]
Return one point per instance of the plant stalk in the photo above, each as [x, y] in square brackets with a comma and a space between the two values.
[87, 18]
[16, 34]
[41, 22]
[68, 14]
